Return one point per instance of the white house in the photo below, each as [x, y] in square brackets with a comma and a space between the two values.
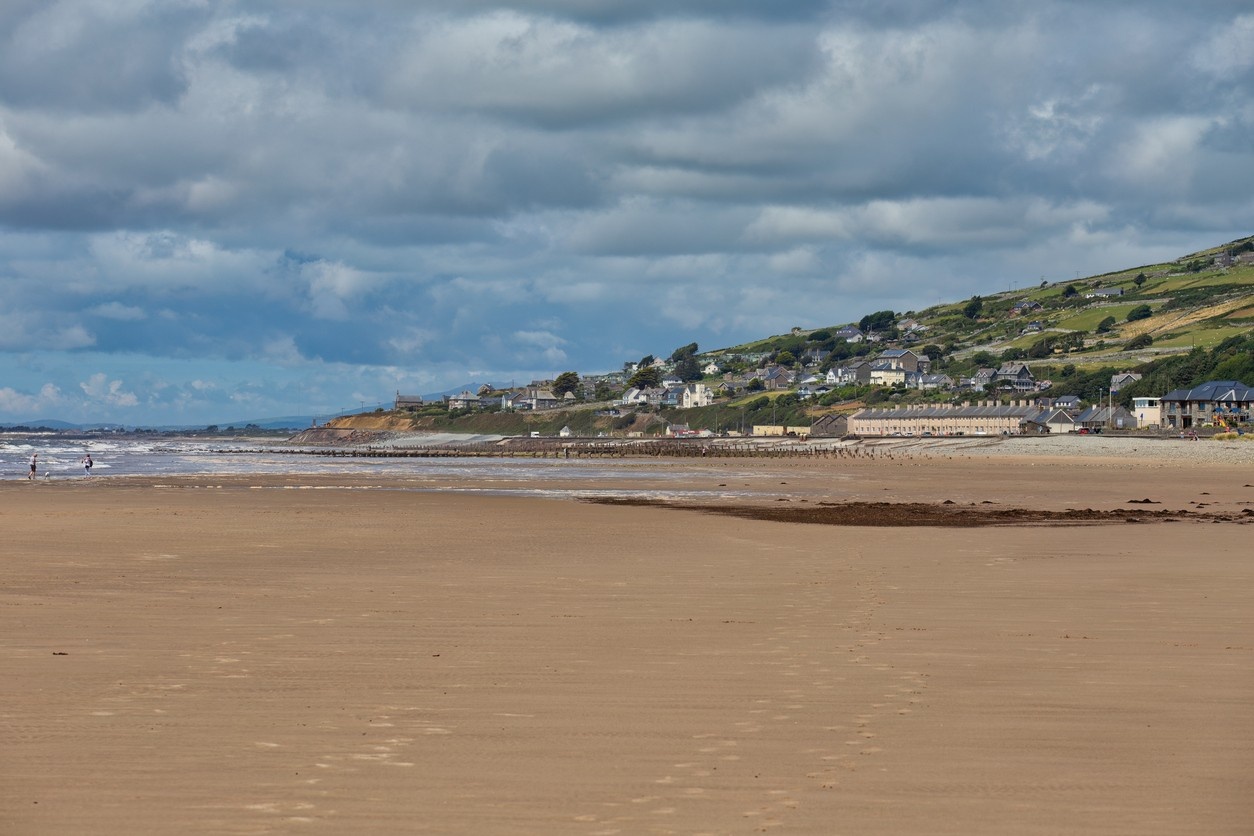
[688, 396]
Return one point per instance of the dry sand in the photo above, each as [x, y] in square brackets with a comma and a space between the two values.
[221, 656]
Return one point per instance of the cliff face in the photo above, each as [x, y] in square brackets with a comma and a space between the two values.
[338, 436]
[355, 429]
[373, 421]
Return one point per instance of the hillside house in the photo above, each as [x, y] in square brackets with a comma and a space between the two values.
[813, 357]
[647, 396]
[885, 373]
[904, 358]
[687, 396]
[980, 379]
[1122, 379]
[531, 399]
[778, 377]
[408, 403]
[929, 382]
[462, 400]
[1015, 376]
[850, 334]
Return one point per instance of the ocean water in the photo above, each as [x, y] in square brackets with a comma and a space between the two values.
[61, 457]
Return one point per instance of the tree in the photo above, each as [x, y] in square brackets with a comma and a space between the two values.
[819, 336]
[785, 358]
[1139, 341]
[689, 350]
[604, 391]
[755, 385]
[972, 309]
[1139, 280]
[932, 352]
[878, 321]
[1106, 324]
[983, 359]
[566, 382]
[1067, 370]
[646, 377]
[1069, 291]
[1140, 312]
[688, 369]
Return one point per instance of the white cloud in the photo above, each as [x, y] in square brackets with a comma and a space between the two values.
[1227, 51]
[1161, 152]
[32, 406]
[111, 393]
[544, 345]
[33, 330]
[331, 285]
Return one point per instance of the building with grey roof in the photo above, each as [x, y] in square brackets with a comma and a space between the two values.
[980, 418]
[1226, 402]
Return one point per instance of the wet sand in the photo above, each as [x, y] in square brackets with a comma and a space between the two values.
[220, 655]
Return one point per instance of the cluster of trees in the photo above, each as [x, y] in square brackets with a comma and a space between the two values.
[1232, 359]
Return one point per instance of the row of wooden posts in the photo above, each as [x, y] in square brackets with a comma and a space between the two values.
[533, 450]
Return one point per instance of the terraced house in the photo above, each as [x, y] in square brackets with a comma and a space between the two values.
[983, 418]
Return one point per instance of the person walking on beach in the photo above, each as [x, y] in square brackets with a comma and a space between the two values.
[34, 465]
[87, 463]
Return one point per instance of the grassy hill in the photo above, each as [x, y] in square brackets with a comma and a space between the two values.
[1193, 302]
[1176, 323]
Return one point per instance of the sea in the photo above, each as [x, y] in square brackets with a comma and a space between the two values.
[61, 457]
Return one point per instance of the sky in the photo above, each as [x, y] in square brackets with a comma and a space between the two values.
[222, 211]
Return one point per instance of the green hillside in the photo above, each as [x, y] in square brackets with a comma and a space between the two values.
[1177, 324]
[1193, 301]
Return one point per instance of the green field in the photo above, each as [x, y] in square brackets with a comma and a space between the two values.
[1202, 337]
[1090, 318]
[1237, 276]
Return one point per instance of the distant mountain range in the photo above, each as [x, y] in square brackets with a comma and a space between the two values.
[292, 422]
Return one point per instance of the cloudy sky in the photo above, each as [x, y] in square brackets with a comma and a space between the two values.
[219, 211]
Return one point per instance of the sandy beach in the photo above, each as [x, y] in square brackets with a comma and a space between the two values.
[284, 654]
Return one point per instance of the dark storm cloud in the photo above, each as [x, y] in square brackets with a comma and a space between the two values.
[94, 56]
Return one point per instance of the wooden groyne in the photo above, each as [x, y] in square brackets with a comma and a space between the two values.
[564, 449]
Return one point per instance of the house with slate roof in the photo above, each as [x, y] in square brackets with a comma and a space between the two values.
[904, 358]
[1121, 379]
[778, 377]
[1056, 421]
[463, 400]
[1016, 376]
[931, 381]
[1105, 417]
[886, 373]
[1226, 402]
[687, 396]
